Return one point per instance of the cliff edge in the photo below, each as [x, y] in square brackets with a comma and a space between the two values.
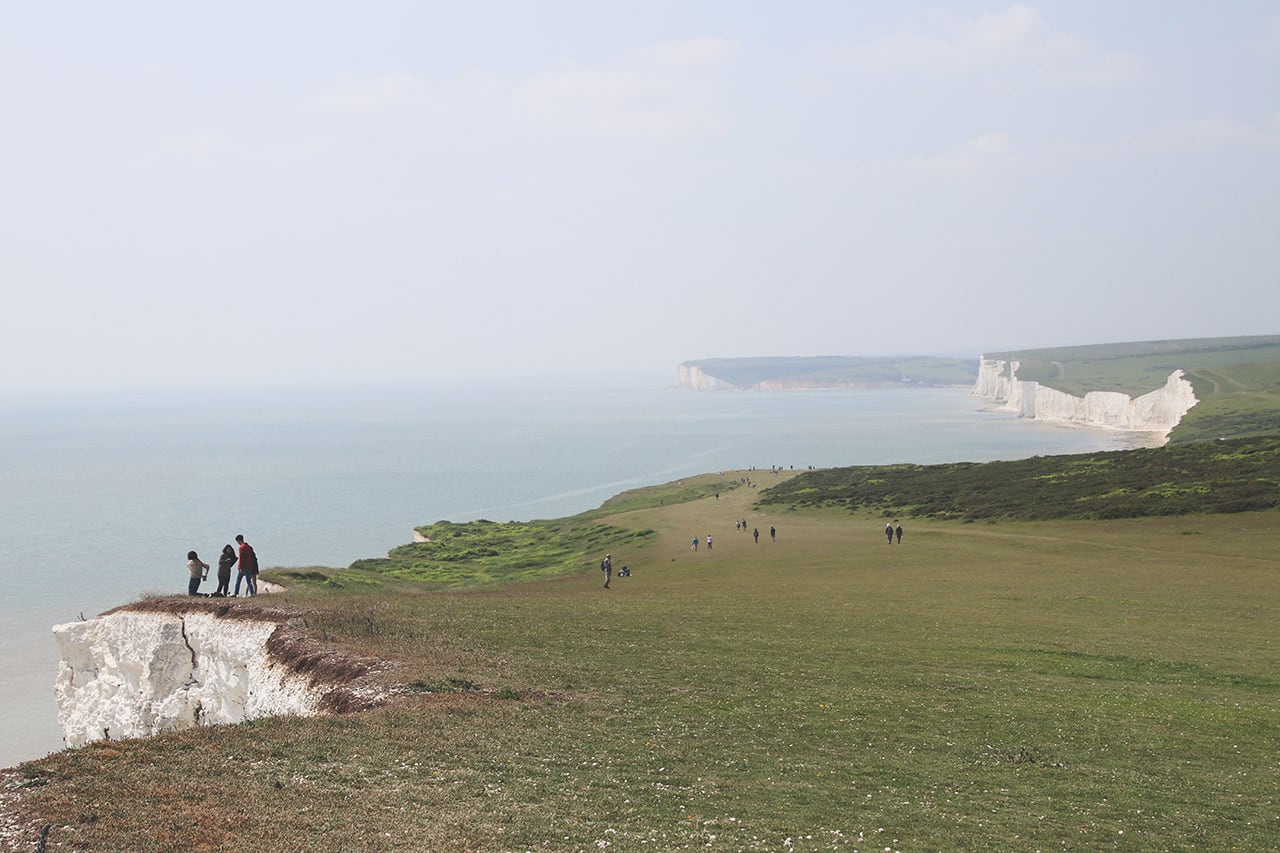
[1156, 412]
[166, 665]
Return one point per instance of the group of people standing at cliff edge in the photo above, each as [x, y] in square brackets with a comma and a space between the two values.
[248, 560]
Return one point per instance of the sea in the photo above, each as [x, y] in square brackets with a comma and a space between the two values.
[102, 495]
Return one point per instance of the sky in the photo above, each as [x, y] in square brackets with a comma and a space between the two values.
[240, 194]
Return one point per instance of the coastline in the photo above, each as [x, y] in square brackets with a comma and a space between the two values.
[332, 489]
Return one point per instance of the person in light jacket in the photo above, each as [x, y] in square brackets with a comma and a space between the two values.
[198, 569]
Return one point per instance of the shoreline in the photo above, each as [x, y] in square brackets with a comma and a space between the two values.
[563, 460]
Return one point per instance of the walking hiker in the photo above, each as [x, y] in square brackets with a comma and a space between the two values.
[695, 543]
[773, 534]
[897, 531]
[606, 566]
[708, 541]
[756, 534]
[888, 531]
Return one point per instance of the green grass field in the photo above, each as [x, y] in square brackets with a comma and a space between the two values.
[1062, 685]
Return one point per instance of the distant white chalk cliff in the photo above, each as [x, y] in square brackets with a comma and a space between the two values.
[1156, 412]
[695, 378]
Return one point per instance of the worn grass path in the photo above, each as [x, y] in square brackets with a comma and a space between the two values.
[1014, 686]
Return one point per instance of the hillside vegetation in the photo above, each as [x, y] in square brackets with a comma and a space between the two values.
[1013, 685]
[1218, 477]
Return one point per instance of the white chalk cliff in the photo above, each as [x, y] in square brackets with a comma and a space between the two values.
[135, 674]
[696, 379]
[1158, 411]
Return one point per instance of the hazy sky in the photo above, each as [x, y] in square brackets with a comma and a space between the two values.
[298, 191]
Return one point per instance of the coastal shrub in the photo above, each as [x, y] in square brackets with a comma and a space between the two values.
[1226, 476]
[483, 551]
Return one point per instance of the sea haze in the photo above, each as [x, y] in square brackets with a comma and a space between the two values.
[102, 497]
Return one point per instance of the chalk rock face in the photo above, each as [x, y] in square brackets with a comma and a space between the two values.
[695, 379]
[130, 674]
[1158, 411]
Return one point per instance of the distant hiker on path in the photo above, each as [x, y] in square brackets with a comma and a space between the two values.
[897, 531]
[226, 560]
[695, 543]
[756, 533]
[248, 567]
[606, 566]
[708, 541]
[199, 571]
[888, 532]
[773, 534]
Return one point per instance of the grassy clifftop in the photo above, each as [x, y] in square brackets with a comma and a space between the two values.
[1001, 686]
[1232, 476]
[1136, 368]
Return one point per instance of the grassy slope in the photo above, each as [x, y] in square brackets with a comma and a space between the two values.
[1068, 684]
[1235, 400]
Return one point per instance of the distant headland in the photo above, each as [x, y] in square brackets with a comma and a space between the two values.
[1179, 390]
[787, 373]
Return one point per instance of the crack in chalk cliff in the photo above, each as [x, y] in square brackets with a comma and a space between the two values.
[192, 681]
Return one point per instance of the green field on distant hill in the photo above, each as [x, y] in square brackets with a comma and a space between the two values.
[1135, 368]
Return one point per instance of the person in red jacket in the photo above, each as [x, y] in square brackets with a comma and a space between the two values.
[248, 567]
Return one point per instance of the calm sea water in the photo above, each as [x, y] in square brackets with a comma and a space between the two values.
[102, 497]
